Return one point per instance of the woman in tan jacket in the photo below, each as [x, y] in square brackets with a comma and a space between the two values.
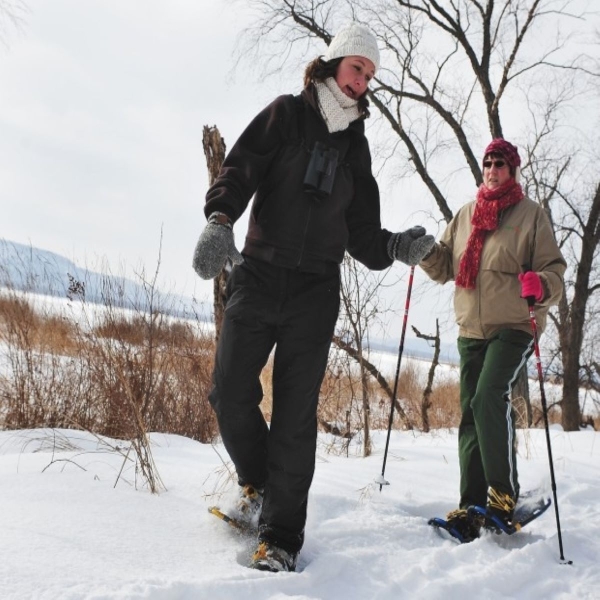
[498, 249]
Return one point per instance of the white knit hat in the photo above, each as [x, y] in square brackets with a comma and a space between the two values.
[354, 40]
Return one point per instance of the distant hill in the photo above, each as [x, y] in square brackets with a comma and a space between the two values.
[417, 348]
[37, 271]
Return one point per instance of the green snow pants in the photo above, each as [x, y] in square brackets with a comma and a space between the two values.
[486, 436]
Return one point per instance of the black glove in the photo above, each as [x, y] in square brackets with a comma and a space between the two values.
[410, 246]
[215, 246]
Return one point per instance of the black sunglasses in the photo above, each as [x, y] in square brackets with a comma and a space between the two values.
[496, 163]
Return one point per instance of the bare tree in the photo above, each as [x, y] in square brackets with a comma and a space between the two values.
[575, 320]
[360, 307]
[456, 74]
[426, 399]
[375, 373]
[571, 197]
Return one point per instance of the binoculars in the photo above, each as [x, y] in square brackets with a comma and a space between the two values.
[320, 173]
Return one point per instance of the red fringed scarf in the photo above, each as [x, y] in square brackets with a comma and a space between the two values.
[490, 203]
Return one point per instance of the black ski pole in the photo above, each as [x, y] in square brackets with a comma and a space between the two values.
[381, 479]
[538, 362]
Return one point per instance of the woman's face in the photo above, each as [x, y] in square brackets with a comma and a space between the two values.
[353, 75]
[496, 172]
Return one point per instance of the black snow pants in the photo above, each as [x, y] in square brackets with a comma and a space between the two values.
[294, 312]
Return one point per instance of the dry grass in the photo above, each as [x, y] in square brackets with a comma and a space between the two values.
[28, 328]
[341, 409]
[122, 373]
[445, 400]
[106, 370]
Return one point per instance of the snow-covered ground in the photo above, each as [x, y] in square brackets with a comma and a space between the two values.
[68, 532]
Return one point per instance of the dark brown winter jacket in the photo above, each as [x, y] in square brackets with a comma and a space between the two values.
[289, 226]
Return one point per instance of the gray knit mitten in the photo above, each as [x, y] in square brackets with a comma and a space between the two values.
[215, 246]
[410, 246]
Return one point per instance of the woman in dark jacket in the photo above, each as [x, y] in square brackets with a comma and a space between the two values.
[306, 160]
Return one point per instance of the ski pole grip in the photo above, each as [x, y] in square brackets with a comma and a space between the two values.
[526, 267]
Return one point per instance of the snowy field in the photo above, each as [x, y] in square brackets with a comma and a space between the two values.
[68, 532]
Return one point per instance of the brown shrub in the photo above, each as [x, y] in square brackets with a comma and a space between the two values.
[445, 402]
[136, 368]
[118, 327]
[25, 327]
[16, 308]
[340, 406]
[111, 379]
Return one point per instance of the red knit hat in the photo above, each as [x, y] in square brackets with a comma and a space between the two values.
[507, 150]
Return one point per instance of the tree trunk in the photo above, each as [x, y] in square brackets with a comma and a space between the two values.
[214, 150]
[573, 319]
[426, 399]
[571, 411]
[367, 449]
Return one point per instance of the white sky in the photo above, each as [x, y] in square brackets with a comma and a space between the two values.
[70, 533]
[102, 106]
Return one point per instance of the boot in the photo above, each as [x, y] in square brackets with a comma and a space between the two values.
[501, 506]
[467, 525]
[269, 557]
[249, 505]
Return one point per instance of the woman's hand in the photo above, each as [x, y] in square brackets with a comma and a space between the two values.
[410, 246]
[531, 286]
[215, 246]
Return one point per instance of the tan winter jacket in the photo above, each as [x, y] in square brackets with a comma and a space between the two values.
[524, 236]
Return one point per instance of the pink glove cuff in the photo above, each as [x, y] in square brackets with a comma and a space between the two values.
[531, 285]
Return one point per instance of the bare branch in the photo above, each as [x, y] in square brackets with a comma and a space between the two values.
[12, 17]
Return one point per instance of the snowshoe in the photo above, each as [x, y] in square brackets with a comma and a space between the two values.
[460, 524]
[269, 557]
[529, 507]
[246, 512]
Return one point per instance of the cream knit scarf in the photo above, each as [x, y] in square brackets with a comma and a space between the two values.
[337, 109]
